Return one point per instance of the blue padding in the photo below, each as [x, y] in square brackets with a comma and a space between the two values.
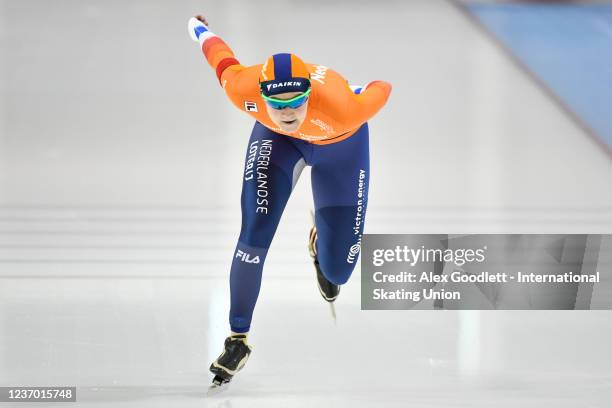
[569, 47]
[199, 30]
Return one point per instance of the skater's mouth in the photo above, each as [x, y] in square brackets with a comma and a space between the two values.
[289, 122]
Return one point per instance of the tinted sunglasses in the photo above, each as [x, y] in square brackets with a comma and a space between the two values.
[292, 103]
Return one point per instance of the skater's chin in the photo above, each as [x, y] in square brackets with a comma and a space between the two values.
[289, 125]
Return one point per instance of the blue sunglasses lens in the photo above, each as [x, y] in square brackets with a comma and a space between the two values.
[292, 104]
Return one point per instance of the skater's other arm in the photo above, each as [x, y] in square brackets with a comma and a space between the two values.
[218, 54]
[368, 100]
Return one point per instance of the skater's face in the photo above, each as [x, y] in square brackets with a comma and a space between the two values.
[288, 120]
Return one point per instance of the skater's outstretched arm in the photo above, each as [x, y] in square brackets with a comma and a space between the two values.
[218, 54]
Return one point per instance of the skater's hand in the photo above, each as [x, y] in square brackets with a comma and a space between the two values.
[196, 26]
[202, 19]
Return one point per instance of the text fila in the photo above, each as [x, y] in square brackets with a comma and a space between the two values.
[246, 257]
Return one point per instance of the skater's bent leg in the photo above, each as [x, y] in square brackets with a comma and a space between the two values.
[339, 241]
[270, 173]
[340, 178]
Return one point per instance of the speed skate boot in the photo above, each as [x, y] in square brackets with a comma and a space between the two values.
[233, 358]
[328, 290]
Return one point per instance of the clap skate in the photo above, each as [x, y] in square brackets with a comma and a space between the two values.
[232, 360]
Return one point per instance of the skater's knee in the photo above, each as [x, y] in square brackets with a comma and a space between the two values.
[339, 241]
[336, 270]
[337, 259]
[341, 278]
[258, 232]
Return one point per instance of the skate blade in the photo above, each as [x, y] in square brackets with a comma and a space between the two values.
[332, 309]
[219, 384]
[216, 389]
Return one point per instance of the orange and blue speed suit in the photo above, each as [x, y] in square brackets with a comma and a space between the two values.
[333, 140]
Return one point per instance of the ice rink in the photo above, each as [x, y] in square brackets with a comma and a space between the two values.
[120, 173]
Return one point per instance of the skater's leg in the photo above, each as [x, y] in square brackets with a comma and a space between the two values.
[272, 166]
[340, 177]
